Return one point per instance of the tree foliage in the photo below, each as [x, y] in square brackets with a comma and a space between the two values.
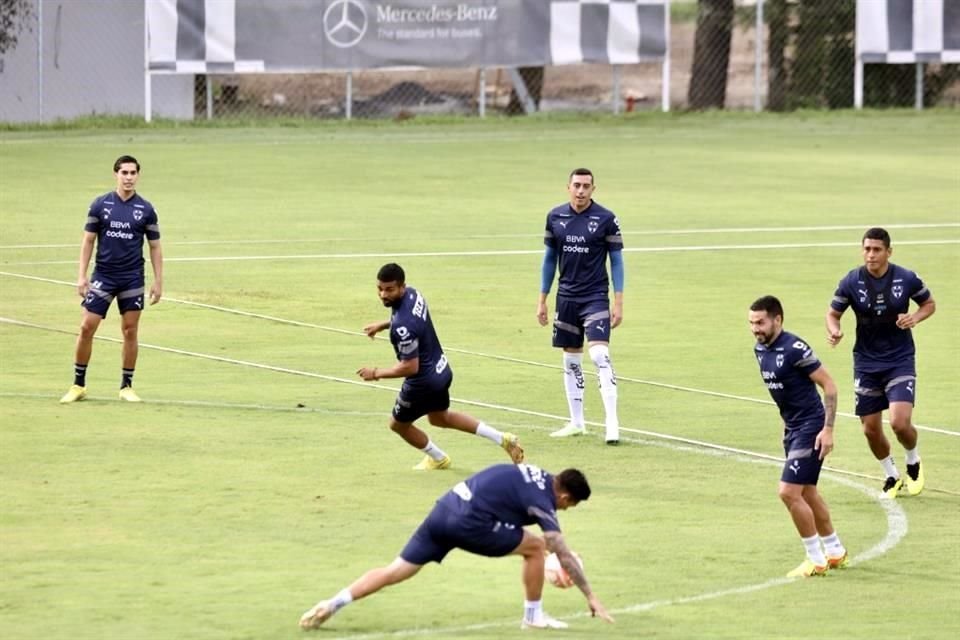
[15, 16]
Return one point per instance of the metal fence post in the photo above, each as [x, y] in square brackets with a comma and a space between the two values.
[758, 59]
[348, 106]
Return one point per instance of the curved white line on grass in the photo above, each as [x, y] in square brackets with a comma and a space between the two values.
[498, 252]
[645, 232]
[479, 354]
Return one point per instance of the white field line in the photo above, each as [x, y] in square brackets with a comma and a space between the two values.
[653, 232]
[213, 405]
[474, 403]
[479, 354]
[495, 252]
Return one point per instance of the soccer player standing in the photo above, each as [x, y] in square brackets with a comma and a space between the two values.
[485, 515]
[117, 223]
[426, 372]
[792, 372]
[579, 236]
[884, 356]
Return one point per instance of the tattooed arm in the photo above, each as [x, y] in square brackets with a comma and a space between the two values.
[557, 545]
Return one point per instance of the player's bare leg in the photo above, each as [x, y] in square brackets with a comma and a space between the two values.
[89, 323]
[901, 420]
[880, 447]
[532, 547]
[468, 424]
[835, 551]
[815, 563]
[435, 458]
[130, 326]
[367, 584]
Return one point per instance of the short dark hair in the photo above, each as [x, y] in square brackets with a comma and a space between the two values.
[770, 304]
[124, 160]
[581, 172]
[391, 272]
[575, 483]
[876, 233]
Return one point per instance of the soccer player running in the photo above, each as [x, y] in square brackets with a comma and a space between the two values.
[485, 515]
[117, 223]
[884, 356]
[792, 372]
[579, 236]
[426, 372]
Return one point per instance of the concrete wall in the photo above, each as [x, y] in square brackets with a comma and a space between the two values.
[84, 58]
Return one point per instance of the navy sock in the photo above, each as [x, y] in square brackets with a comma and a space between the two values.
[127, 379]
[80, 374]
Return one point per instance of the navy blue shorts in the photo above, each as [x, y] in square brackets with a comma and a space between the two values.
[414, 402]
[874, 391]
[574, 319]
[448, 527]
[127, 288]
[803, 462]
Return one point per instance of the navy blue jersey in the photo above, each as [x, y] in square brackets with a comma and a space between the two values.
[120, 227]
[877, 302]
[786, 366]
[582, 242]
[413, 336]
[515, 495]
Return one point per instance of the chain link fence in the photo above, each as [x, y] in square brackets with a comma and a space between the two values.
[83, 57]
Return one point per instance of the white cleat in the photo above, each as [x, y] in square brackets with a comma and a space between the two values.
[569, 430]
[316, 616]
[543, 621]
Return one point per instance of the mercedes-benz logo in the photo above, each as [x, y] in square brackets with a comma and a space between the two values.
[344, 23]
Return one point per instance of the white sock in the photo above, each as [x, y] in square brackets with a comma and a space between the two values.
[832, 544]
[600, 354]
[573, 385]
[434, 451]
[814, 552]
[341, 600]
[889, 467]
[486, 431]
[913, 456]
[532, 610]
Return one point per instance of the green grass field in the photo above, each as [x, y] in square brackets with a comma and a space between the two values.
[259, 476]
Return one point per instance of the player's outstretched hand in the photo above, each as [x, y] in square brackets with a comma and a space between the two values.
[373, 329]
[597, 609]
[834, 338]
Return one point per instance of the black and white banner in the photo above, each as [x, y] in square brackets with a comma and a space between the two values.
[226, 36]
[908, 31]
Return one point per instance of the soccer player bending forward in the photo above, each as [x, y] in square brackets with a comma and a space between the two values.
[485, 515]
[792, 373]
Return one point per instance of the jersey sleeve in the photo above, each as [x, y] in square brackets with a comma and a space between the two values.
[920, 292]
[803, 358]
[542, 511]
[841, 297]
[152, 228]
[548, 238]
[94, 216]
[406, 336]
[613, 236]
